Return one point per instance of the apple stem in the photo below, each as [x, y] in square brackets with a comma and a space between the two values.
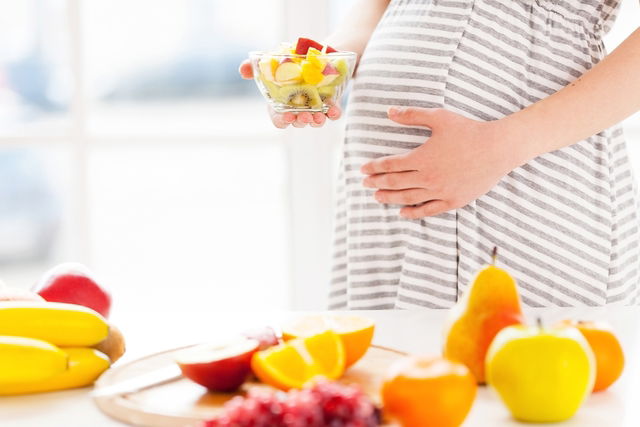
[494, 255]
[539, 322]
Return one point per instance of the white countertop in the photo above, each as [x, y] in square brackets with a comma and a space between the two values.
[411, 331]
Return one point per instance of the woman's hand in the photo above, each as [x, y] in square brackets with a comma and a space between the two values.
[462, 160]
[299, 120]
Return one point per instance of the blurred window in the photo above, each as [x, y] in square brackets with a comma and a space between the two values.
[144, 78]
[34, 67]
[163, 171]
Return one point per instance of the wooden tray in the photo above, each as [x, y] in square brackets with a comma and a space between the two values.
[183, 403]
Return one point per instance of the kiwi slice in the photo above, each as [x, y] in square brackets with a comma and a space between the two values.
[326, 92]
[343, 68]
[300, 96]
[272, 89]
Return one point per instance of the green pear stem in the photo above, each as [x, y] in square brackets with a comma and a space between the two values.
[494, 255]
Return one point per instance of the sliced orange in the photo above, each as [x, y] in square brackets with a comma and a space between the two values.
[356, 332]
[294, 363]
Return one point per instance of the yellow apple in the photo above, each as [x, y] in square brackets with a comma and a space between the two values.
[542, 375]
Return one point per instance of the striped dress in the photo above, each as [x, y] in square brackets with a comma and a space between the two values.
[565, 223]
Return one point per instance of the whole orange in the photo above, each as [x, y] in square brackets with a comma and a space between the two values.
[606, 348]
[428, 392]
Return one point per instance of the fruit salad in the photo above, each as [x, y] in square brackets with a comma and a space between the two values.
[305, 76]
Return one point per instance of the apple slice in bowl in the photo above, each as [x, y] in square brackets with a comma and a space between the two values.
[221, 366]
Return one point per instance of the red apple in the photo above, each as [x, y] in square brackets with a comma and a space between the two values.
[304, 44]
[330, 70]
[220, 366]
[73, 283]
[265, 336]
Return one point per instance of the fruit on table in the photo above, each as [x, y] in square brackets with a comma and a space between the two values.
[541, 374]
[323, 404]
[266, 336]
[428, 392]
[85, 366]
[113, 346]
[355, 332]
[28, 359]
[221, 366]
[65, 325]
[490, 304]
[296, 362]
[73, 283]
[606, 349]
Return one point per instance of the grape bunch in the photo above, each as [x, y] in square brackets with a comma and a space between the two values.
[325, 404]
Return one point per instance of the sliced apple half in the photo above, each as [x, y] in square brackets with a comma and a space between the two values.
[266, 336]
[288, 72]
[221, 366]
[330, 73]
[268, 68]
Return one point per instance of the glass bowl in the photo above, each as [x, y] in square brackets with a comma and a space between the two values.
[296, 83]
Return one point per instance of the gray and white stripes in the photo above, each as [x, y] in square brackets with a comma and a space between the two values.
[566, 223]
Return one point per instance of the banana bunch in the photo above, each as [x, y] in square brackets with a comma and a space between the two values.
[47, 346]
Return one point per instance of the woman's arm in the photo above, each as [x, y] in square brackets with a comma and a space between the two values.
[356, 28]
[602, 97]
[465, 158]
[352, 34]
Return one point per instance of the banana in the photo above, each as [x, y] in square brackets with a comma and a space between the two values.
[28, 359]
[64, 325]
[85, 366]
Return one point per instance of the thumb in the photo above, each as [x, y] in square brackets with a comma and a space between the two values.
[413, 116]
[245, 69]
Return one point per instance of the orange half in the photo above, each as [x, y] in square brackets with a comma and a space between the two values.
[294, 363]
[355, 332]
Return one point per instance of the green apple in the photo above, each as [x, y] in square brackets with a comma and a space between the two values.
[541, 374]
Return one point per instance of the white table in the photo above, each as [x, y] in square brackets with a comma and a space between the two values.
[410, 331]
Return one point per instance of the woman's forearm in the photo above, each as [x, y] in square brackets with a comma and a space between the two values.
[600, 98]
[355, 30]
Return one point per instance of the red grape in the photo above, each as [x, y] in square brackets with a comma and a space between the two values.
[323, 404]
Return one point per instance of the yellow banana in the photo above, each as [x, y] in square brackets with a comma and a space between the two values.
[28, 359]
[85, 366]
[65, 325]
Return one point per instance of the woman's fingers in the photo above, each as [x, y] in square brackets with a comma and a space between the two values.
[334, 112]
[394, 181]
[245, 70]
[431, 208]
[303, 119]
[318, 120]
[300, 120]
[283, 120]
[289, 117]
[412, 196]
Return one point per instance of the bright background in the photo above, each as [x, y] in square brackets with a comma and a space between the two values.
[129, 142]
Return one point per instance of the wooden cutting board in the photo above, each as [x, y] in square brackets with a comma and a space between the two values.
[183, 403]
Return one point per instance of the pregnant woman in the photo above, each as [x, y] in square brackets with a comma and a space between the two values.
[474, 124]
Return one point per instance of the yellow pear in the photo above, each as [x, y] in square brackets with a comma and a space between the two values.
[490, 304]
